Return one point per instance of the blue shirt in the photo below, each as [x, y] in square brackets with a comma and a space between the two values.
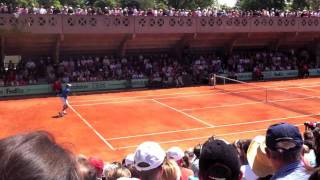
[65, 93]
[292, 171]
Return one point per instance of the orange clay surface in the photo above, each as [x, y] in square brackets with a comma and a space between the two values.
[111, 125]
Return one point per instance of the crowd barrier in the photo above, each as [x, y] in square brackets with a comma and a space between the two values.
[123, 84]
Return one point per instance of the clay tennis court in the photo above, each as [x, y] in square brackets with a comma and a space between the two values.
[111, 125]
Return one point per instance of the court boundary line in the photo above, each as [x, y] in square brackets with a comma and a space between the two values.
[248, 103]
[202, 137]
[172, 94]
[192, 95]
[181, 112]
[92, 128]
[217, 126]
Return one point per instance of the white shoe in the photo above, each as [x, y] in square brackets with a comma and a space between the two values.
[64, 112]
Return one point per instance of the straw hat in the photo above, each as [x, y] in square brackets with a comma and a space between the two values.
[257, 157]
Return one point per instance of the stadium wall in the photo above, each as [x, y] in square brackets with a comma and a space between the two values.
[135, 83]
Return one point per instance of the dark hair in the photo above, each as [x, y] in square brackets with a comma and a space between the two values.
[315, 175]
[185, 162]
[87, 171]
[36, 156]
[286, 156]
[134, 172]
[308, 136]
[197, 150]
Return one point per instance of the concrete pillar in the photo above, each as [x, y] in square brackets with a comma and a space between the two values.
[56, 52]
[123, 44]
[317, 53]
[2, 47]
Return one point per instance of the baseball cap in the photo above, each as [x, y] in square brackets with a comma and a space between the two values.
[175, 153]
[283, 137]
[129, 160]
[257, 157]
[149, 155]
[98, 164]
[69, 85]
[218, 159]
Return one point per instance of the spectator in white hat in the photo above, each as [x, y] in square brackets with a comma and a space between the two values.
[148, 160]
[177, 154]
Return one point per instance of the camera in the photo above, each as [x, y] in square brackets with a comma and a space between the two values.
[311, 125]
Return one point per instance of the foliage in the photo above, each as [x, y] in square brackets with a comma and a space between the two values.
[140, 4]
[191, 4]
[22, 3]
[104, 3]
[49, 3]
[262, 4]
[74, 3]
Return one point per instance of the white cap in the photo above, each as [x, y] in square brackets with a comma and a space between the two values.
[175, 153]
[129, 160]
[69, 84]
[149, 155]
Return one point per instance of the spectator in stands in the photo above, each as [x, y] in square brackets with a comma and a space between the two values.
[219, 160]
[98, 164]
[195, 162]
[259, 164]
[87, 171]
[316, 133]
[284, 146]
[242, 146]
[57, 87]
[257, 73]
[36, 156]
[171, 170]
[177, 154]
[309, 156]
[148, 160]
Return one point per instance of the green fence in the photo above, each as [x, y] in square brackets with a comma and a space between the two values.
[122, 84]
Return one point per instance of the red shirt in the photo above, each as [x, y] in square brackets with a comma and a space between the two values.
[57, 86]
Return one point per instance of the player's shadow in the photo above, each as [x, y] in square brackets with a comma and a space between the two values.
[56, 117]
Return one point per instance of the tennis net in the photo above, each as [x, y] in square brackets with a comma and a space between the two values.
[292, 98]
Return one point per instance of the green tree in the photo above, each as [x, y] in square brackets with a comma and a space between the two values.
[49, 3]
[73, 3]
[191, 4]
[261, 4]
[23, 3]
[104, 3]
[299, 4]
[140, 4]
[314, 4]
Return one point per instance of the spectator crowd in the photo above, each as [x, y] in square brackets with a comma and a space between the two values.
[163, 68]
[132, 11]
[282, 153]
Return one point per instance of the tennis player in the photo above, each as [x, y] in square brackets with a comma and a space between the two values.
[64, 97]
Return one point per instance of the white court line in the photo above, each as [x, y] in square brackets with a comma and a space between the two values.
[133, 97]
[177, 97]
[92, 128]
[249, 103]
[172, 94]
[203, 137]
[308, 89]
[188, 115]
[218, 126]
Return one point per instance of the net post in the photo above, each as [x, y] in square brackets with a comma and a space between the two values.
[224, 81]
